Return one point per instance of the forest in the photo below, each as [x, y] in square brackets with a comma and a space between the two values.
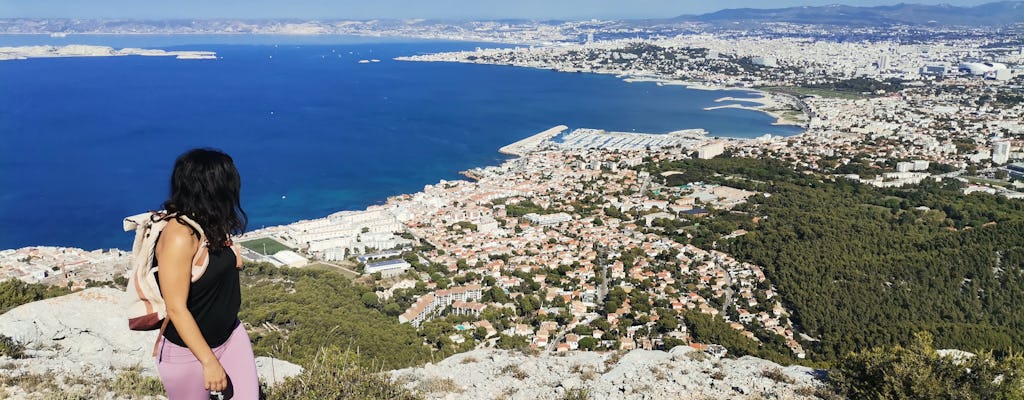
[862, 267]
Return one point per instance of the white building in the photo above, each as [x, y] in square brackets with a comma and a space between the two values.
[429, 304]
[1000, 151]
[710, 150]
[765, 61]
[388, 269]
[548, 219]
[974, 68]
[290, 258]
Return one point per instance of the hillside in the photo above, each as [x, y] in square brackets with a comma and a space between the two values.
[991, 14]
[863, 267]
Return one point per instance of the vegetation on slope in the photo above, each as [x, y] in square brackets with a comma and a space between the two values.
[919, 372]
[14, 293]
[862, 267]
[338, 374]
[297, 312]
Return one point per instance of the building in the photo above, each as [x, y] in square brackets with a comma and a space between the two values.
[980, 69]
[710, 150]
[909, 166]
[290, 258]
[1016, 170]
[1000, 75]
[388, 269]
[378, 256]
[467, 308]
[461, 293]
[765, 61]
[432, 303]
[420, 311]
[1000, 151]
[883, 62]
[548, 219]
[935, 70]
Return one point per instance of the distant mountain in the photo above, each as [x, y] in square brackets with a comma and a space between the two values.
[991, 14]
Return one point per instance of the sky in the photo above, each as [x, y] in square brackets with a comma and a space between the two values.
[431, 9]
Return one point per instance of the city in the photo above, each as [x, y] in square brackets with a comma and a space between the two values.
[587, 239]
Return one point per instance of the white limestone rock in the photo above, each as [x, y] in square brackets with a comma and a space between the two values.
[640, 374]
[83, 333]
[86, 334]
[273, 371]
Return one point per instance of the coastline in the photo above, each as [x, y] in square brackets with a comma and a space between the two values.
[638, 78]
[767, 103]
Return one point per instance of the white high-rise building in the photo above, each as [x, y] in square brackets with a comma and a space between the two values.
[1000, 151]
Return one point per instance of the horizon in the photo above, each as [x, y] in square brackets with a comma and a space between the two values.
[409, 9]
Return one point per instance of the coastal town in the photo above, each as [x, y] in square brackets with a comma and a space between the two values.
[565, 245]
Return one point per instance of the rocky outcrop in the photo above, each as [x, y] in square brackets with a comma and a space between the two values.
[683, 373]
[86, 334]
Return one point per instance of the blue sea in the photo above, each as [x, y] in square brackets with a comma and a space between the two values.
[87, 141]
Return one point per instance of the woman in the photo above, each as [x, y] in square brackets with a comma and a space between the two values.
[204, 347]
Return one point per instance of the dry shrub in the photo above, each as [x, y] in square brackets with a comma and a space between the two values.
[777, 375]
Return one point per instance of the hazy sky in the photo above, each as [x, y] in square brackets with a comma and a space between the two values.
[365, 9]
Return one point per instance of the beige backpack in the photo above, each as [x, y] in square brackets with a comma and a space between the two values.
[144, 304]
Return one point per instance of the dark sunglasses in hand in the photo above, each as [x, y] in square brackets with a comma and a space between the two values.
[225, 394]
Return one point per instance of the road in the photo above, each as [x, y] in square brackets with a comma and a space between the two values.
[728, 291]
[339, 267]
[645, 185]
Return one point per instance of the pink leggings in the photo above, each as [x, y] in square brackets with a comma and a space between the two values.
[182, 374]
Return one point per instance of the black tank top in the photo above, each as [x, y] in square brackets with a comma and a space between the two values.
[213, 300]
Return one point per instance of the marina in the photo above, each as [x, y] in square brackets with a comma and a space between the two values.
[585, 138]
[531, 143]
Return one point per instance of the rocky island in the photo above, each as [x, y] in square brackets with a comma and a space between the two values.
[77, 50]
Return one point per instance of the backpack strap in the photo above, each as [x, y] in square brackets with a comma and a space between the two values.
[199, 263]
[201, 259]
[163, 327]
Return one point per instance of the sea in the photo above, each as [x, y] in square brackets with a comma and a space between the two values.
[85, 142]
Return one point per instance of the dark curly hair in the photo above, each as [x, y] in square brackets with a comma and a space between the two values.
[206, 187]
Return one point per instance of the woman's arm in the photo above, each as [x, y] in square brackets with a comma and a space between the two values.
[174, 252]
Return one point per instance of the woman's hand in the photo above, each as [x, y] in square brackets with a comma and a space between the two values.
[214, 378]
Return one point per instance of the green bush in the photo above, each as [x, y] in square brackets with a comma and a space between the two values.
[919, 372]
[11, 348]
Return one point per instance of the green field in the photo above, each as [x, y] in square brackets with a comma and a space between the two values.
[272, 246]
